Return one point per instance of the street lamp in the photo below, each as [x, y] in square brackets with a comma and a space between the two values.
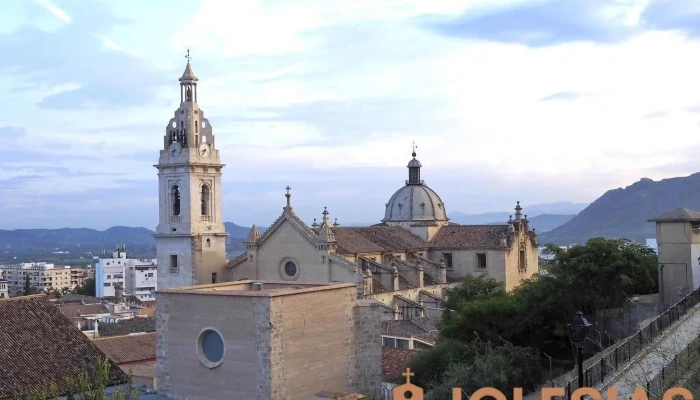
[579, 329]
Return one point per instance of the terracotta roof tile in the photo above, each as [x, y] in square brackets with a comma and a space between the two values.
[394, 363]
[377, 239]
[40, 346]
[73, 310]
[130, 348]
[476, 237]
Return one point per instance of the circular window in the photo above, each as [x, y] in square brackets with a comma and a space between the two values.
[289, 269]
[210, 348]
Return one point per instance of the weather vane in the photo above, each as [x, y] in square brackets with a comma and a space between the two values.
[188, 55]
[413, 148]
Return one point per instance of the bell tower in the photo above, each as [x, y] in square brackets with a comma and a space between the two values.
[190, 237]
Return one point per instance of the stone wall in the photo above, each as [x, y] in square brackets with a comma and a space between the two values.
[368, 348]
[412, 294]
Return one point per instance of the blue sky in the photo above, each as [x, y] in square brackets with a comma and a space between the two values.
[537, 101]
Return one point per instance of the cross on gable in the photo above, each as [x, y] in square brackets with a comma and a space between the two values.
[288, 189]
[408, 374]
[188, 56]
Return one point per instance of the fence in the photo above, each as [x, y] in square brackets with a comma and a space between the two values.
[596, 374]
[679, 366]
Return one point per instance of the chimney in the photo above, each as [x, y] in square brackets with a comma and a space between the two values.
[257, 286]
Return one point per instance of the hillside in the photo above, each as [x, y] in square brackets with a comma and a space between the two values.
[543, 223]
[78, 241]
[623, 212]
[559, 212]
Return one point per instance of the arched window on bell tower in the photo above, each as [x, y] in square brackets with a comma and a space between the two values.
[175, 199]
[188, 84]
[206, 200]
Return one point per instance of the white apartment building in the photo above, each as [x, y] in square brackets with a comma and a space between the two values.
[4, 289]
[42, 276]
[137, 277]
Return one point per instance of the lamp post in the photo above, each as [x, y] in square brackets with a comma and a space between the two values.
[579, 329]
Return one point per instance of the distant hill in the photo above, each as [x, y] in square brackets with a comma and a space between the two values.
[81, 240]
[560, 209]
[543, 223]
[623, 213]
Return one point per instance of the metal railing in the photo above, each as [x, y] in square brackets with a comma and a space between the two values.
[596, 374]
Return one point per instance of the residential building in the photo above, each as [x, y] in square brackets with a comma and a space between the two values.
[4, 289]
[46, 349]
[135, 354]
[135, 277]
[280, 329]
[678, 249]
[42, 277]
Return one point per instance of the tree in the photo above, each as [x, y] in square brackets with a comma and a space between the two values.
[84, 387]
[87, 288]
[475, 365]
[28, 288]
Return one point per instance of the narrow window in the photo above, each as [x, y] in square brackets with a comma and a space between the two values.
[174, 269]
[196, 127]
[481, 260]
[448, 259]
[176, 199]
[205, 200]
[523, 260]
[213, 277]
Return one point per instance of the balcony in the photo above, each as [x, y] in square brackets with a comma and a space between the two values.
[206, 218]
[175, 218]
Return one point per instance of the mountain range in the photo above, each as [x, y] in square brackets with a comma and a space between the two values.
[624, 212]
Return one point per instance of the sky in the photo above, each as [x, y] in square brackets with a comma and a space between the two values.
[508, 100]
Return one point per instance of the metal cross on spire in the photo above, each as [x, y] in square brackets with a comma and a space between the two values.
[188, 55]
[413, 148]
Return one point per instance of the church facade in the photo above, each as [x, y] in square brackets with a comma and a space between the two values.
[405, 261]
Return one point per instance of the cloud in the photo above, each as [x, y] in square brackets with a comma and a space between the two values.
[75, 54]
[565, 96]
[673, 14]
[542, 22]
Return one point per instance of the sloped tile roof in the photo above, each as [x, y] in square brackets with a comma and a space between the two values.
[679, 214]
[73, 310]
[377, 239]
[472, 237]
[409, 327]
[394, 363]
[76, 298]
[40, 347]
[129, 348]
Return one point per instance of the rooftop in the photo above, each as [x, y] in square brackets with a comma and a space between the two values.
[394, 362]
[41, 347]
[129, 348]
[678, 215]
[250, 288]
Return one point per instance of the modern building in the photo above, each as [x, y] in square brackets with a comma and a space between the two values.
[135, 277]
[290, 341]
[678, 247]
[42, 277]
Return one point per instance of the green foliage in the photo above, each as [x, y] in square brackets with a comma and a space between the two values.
[87, 387]
[600, 275]
[87, 288]
[28, 289]
[475, 365]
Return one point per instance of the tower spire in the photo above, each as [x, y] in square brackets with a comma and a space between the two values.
[414, 167]
[188, 83]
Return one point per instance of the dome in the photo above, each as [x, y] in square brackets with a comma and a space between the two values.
[415, 203]
[414, 164]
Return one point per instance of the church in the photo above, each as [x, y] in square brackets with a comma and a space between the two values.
[406, 261]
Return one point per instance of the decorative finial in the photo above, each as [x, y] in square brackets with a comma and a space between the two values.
[335, 223]
[413, 149]
[288, 196]
[325, 215]
[188, 56]
[314, 225]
